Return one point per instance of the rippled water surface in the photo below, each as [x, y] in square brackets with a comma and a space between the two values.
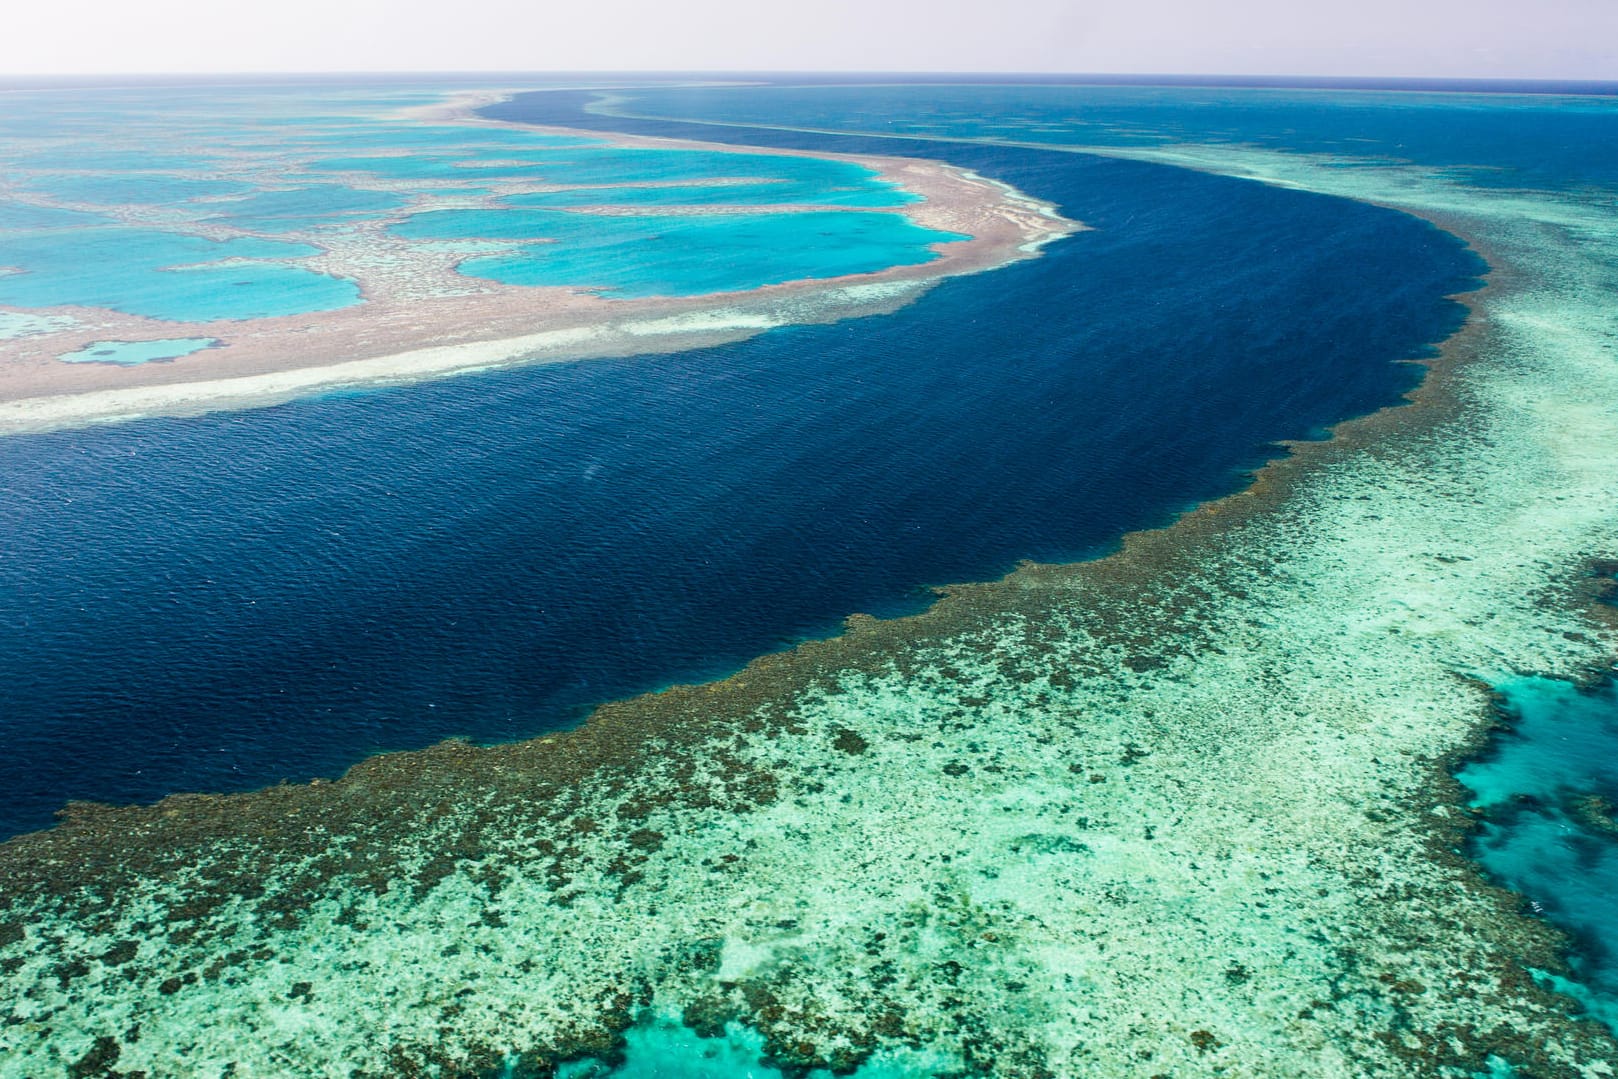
[221, 602]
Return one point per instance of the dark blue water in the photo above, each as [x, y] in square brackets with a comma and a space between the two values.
[1556, 141]
[221, 602]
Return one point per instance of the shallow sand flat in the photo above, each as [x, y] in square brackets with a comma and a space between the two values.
[591, 334]
[420, 318]
[1181, 811]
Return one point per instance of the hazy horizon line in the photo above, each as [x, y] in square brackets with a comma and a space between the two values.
[1279, 80]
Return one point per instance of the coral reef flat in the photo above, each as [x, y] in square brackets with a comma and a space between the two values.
[398, 248]
[1183, 810]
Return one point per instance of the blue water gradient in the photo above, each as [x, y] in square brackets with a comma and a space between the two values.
[220, 602]
[1554, 141]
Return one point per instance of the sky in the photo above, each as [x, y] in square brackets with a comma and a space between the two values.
[1553, 39]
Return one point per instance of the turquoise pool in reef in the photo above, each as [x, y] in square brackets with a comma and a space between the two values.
[1548, 791]
[733, 193]
[22, 217]
[116, 188]
[128, 353]
[593, 163]
[662, 1047]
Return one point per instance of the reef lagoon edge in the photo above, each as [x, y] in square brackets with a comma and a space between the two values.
[465, 325]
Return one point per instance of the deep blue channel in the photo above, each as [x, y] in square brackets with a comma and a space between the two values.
[221, 602]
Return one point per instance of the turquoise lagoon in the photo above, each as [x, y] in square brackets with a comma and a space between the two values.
[165, 275]
[682, 255]
[300, 208]
[430, 167]
[183, 234]
[743, 193]
[17, 216]
[593, 163]
[141, 189]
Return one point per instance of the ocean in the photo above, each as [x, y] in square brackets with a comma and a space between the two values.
[227, 601]
[1209, 831]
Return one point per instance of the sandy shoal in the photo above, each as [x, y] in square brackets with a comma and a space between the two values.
[421, 319]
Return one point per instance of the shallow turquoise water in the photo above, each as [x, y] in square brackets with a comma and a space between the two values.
[1548, 789]
[286, 150]
[351, 136]
[300, 208]
[665, 1049]
[95, 159]
[621, 165]
[680, 256]
[129, 353]
[783, 178]
[424, 167]
[735, 194]
[124, 189]
[139, 272]
[17, 216]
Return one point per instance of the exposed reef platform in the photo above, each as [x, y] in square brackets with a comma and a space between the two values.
[419, 316]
